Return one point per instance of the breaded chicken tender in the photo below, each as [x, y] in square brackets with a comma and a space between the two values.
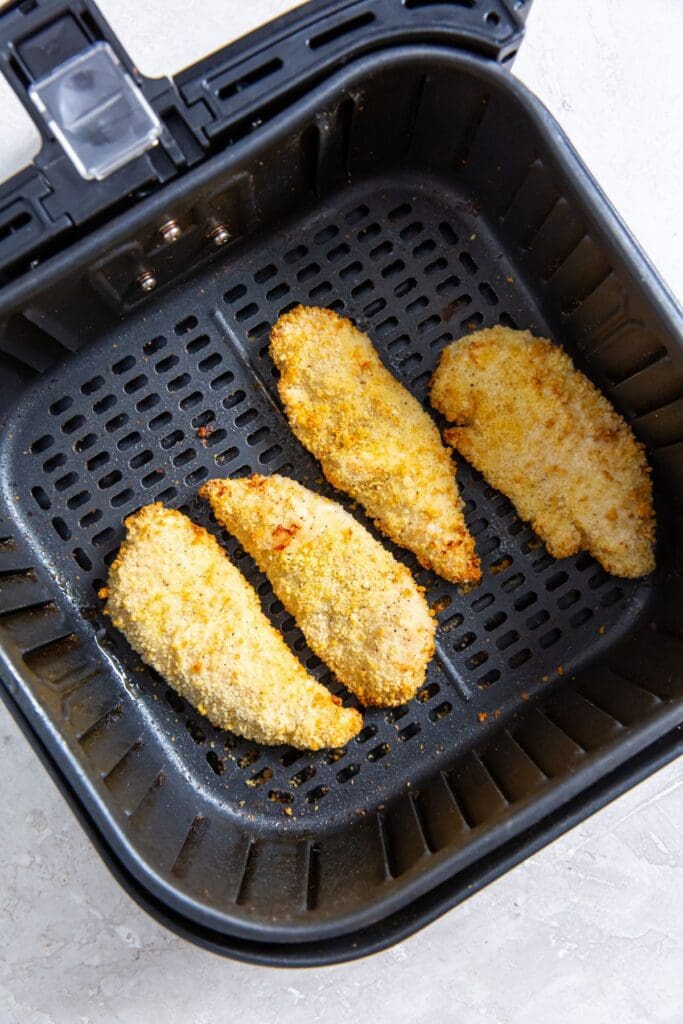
[193, 617]
[359, 609]
[541, 433]
[372, 437]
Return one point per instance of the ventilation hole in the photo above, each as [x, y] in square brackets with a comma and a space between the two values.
[128, 441]
[480, 603]
[104, 536]
[335, 755]
[238, 292]
[428, 323]
[54, 463]
[178, 382]
[196, 732]
[381, 250]
[362, 289]
[465, 641]
[216, 763]
[61, 528]
[534, 621]
[507, 639]
[42, 444]
[141, 459]
[525, 601]
[549, 638]
[196, 345]
[61, 405]
[303, 776]
[190, 400]
[338, 253]
[439, 712]
[351, 270]
[97, 461]
[261, 276]
[175, 701]
[411, 231]
[226, 456]
[495, 621]
[542, 563]
[377, 753]
[277, 292]
[410, 730]
[450, 285]
[447, 233]
[488, 679]
[92, 385]
[317, 794]
[186, 325]
[405, 287]
[488, 293]
[135, 384]
[369, 232]
[111, 426]
[246, 312]
[280, 796]
[584, 561]
[424, 248]
[496, 568]
[493, 18]
[397, 267]
[210, 363]
[598, 579]
[399, 212]
[73, 424]
[122, 497]
[162, 420]
[473, 322]
[373, 308]
[468, 263]
[506, 320]
[612, 597]
[427, 692]
[320, 291]
[325, 234]
[487, 545]
[580, 617]
[480, 658]
[155, 477]
[184, 457]
[258, 331]
[41, 497]
[556, 580]
[417, 304]
[154, 345]
[246, 417]
[110, 479]
[307, 272]
[82, 559]
[196, 477]
[436, 266]
[90, 518]
[519, 658]
[295, 254]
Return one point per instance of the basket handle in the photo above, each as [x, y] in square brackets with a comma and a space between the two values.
[50, 48]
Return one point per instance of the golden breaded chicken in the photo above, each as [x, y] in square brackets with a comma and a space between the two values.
[359, 609]
[191, 614]
[541, 433]
[372, 437]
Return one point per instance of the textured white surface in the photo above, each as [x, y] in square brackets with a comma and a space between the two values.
[589, 930]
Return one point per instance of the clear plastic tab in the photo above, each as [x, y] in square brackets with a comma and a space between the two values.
[97, 113]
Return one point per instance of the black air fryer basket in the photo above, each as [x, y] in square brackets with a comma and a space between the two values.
[376, 157]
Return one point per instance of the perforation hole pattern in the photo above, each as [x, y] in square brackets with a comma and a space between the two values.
[190, 392]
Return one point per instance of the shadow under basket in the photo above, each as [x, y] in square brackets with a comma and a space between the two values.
[425, 194]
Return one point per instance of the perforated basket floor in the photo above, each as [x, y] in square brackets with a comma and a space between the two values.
[184, 390]
[187, 390]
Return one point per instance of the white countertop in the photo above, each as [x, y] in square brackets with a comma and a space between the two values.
[589, 930]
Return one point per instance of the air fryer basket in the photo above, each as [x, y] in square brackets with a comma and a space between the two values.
[423, 192]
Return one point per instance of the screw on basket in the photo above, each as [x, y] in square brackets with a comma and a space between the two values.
[147, 281]
[220, 235]
[170, 231]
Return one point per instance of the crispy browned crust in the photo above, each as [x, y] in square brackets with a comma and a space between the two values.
[541, 433]
[372, 437]
[194, 618]
[359, 609]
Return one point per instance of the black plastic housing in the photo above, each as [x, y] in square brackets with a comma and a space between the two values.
[424, 192]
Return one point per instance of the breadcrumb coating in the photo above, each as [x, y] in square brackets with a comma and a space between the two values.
[359, 609]
[192, 616]
[372, 437]
[543, 434]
